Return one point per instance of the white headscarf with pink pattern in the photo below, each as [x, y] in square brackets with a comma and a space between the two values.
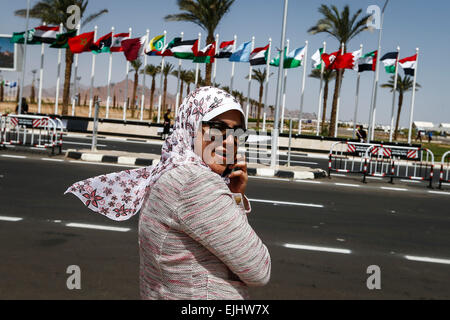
[120, 195]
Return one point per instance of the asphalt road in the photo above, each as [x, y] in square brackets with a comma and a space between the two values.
[322, 236]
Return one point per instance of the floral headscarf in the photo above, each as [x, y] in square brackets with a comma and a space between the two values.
[120, 195]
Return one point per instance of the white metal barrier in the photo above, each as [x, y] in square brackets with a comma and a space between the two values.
[34, 131]
[347, 157]
[444, 173]
[400, 162]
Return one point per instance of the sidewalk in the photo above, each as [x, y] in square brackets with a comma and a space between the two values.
[148, 159]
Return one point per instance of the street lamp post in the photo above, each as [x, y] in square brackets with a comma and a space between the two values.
[273, 161]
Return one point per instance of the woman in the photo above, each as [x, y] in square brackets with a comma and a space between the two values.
[194, 237]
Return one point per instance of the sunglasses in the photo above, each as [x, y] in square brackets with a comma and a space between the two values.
[238, 132]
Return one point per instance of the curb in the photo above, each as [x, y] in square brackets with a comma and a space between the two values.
[110, 159]
[260, 172]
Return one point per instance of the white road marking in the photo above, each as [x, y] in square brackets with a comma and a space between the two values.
[12, 219]
[267, 178]
[374, 178]
[288, 203]
[93, 226]
[427, 259]
[279, 161]
[339, 175]
[56, 160]
[84, 144]
[315, 248]
[347, 185]
[308, 181]
[393, 189]
[413, 181]
[11, 156]
[440, 192]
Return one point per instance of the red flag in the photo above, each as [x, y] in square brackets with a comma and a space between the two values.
[133, 48]
[82, 43]
[205, 55]
[329, 59]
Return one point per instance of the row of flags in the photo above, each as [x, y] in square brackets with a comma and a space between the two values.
[8, 83]
[189, 49]
[360, 63]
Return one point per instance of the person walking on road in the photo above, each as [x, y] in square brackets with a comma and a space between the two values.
[361, 133]
[24, 106]
[167, 119]
[430, 136]
[195, 241]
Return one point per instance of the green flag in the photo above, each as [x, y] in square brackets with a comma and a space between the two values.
[19, 37]
[62, 40]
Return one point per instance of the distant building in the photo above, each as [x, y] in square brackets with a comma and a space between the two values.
[444, 128]
[424, 126]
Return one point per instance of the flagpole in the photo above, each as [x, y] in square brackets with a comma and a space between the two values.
[108, 99]
[375, 83]
[339, 99]
[58, 73]
[24, 61]
[125, 102]
[274, 146]
[319, 110]
[91, 91]
[267, 85]
[249, 85]
[161, 80]
[197, 67]
[41, 74]
[215, 60]
[411, 116]
[144, 76]
[305, 58]
[177, 102]
[284, 87]
[355, 116]
[75, 77]
[393, 95]
[232, 64]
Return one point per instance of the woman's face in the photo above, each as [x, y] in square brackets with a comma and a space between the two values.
[217, 151]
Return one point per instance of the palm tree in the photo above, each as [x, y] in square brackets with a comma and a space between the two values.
[190, 78]
[404, 85]
[55, 12]
[152, 71]
[260, 77]
[328, 75]
[168, 68]
[343, 28]
[182, 80]
[136, 65]
[205, 13]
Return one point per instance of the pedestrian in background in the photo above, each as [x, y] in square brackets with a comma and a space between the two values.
[194, 236]
[430, 136]
[24, 107]
[361, 133]
[167, 119]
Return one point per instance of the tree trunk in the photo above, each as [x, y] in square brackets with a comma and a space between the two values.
[181, 94]
[17, 94]
[135, 85]
[335, 100]
[33, 94]
[400, 102]
[188, 89]
[324, 111]
[67, 76]
[2, 92]
[164, 108]
[208, 70]
[152, 93]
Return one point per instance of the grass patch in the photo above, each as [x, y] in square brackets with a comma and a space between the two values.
[437, 149]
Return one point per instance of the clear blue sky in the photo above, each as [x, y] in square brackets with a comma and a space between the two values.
[408, 23]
